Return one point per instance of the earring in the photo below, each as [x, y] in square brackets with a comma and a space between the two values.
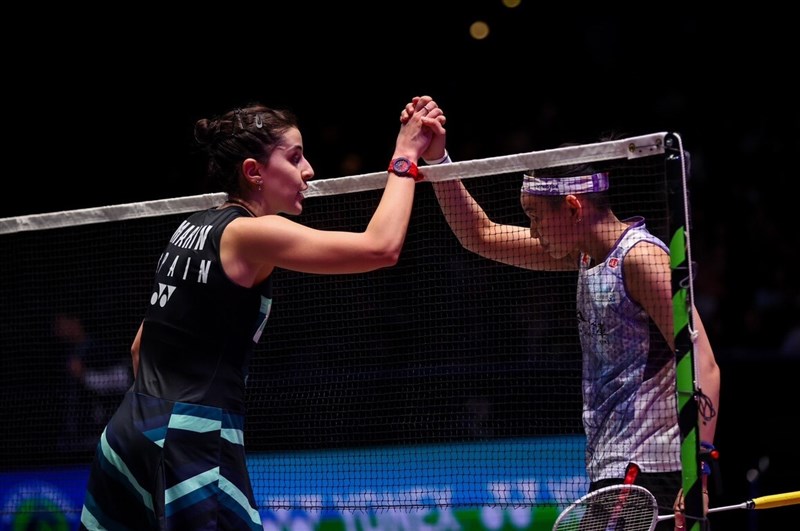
[259, 183]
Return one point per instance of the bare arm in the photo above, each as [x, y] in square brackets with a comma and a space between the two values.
[137, 341]
[508, 244]
[648, 280]
[284, 243]
[708, 379]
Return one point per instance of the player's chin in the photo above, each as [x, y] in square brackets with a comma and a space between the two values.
[296, 209]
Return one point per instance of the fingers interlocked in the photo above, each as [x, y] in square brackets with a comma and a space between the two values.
[424, 107]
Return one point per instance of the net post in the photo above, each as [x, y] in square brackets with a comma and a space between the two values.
[677, 171]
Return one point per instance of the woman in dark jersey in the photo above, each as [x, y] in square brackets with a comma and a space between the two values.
[172, 456]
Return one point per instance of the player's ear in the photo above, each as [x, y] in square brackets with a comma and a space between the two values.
[250, 168]
[574, 205]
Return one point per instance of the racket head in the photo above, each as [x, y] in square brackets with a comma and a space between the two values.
[613, 508]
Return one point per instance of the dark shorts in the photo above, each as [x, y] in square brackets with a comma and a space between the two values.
[169, 466]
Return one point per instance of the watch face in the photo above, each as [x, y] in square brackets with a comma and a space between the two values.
[402, 166]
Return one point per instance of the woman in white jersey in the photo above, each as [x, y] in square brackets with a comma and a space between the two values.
[624, 316]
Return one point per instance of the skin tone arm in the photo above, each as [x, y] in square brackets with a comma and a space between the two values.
[648, 282]
[135, 351]
[508, 244]
[708, 379]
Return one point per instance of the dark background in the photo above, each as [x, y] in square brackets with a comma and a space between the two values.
[101, 105]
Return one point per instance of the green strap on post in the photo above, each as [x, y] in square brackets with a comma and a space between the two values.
[684, 355]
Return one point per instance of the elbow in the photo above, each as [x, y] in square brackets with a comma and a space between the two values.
[464, 240]
[388, 257]
[708, 362]
[474, 242]
[383, 256]
[474, 237]
[713, 372]
[468, 240]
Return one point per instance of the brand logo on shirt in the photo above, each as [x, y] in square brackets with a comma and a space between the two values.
[163, 294]
[613, 263]
[593, 328]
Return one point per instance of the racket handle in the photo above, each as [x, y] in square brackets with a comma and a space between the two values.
[763, 502]
[776, 500]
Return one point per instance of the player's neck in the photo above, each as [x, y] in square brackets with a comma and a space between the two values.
[242, 203]
[604, 236]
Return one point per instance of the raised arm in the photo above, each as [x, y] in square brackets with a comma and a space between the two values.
[251, 247]
[508, 244]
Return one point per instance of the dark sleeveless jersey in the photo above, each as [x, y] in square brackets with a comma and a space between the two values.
[172, 456]
[200, 327]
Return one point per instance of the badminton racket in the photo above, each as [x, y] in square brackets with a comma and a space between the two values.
[634, 508]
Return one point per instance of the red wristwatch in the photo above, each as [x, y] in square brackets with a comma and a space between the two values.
[402, 167]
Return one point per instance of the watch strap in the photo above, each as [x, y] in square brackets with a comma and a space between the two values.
[411, 169]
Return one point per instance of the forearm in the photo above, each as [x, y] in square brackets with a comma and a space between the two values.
[708, 406]
[420, 122]
[390, 221]
[708, 380]
[464, 215]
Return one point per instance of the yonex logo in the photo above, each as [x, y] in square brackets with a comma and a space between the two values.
[162, 295]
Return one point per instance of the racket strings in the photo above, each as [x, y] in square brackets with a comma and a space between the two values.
[614, 510]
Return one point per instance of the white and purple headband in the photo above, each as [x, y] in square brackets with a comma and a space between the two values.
[582, 184]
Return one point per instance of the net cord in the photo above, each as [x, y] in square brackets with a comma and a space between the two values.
[627, 148]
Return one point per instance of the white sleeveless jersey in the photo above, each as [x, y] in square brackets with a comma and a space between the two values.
[629, 397]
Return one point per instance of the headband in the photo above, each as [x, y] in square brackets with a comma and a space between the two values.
[582, 184]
